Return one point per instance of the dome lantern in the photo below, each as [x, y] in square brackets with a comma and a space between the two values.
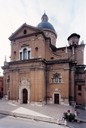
[44, 17]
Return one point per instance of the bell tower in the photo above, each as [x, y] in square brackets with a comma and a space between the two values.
[73, 39]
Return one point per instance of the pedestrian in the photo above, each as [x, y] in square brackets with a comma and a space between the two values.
[68, 112]
[75, 113]
[68, 115]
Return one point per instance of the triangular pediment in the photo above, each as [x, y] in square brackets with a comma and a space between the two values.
[23, 31]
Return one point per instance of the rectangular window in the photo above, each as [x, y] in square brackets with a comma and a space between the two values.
[79, 87]
[60, 80]
[20, 55]
[28, 54]
[79, 94]
[56, 79]
[24, 54]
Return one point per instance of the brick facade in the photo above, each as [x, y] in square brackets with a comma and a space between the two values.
[38, 71]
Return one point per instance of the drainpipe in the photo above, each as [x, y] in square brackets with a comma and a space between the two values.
[69, 84]
[46, 84]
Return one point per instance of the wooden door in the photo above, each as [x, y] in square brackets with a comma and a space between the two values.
[25, 96]
[56, 98]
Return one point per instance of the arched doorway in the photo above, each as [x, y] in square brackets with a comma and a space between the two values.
[25, 96]
[24, 91]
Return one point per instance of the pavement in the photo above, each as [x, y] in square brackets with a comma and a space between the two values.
[81, 115]
[52, 113]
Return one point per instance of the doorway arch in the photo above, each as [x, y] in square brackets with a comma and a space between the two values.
[25, 96]
[24, 91]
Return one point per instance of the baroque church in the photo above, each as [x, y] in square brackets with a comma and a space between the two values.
[39, 72]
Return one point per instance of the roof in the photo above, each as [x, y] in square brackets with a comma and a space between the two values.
[20, 28]
[44, 24]
[72, 35]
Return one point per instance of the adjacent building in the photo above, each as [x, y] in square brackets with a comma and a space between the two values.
[1, 87]
[41, 72]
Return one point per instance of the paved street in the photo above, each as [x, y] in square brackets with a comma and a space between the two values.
[43, 112]
[77, 125]
[36, 114]
[15, 122]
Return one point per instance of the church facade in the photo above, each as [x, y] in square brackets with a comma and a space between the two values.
[39, 72]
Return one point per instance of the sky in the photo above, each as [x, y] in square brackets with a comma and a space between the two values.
[67, 17]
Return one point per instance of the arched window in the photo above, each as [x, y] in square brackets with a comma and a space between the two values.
[24, 54]
[57, 78]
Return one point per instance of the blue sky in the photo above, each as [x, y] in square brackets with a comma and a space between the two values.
[67, 17]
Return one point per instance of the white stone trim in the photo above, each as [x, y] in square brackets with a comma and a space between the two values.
[24, 84]
[21, 50]
[57, 92]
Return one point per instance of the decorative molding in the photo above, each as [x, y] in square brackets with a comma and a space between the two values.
[24, 83]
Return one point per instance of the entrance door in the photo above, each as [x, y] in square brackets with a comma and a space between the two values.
[25, 96]
[56, 98]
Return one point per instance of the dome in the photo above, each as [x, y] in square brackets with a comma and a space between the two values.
[45, 24]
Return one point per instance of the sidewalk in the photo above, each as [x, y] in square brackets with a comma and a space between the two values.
[49, 113]
[81, 115]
